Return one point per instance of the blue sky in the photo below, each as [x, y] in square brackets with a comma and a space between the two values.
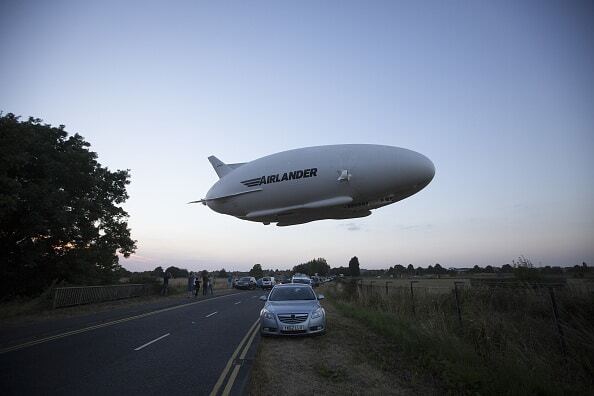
[500, 95]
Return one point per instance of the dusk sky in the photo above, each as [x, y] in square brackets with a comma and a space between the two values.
[499, 95]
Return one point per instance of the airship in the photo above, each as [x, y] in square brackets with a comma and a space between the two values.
[317, 183]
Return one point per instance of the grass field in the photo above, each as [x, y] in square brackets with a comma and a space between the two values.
[507, 341]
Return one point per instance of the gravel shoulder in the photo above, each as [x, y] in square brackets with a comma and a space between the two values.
[347, 360]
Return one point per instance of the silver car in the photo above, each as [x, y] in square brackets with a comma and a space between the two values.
[292, 309]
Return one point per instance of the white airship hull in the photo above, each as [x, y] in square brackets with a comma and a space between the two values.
[316, 183]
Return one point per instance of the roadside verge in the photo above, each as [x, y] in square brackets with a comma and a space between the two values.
[340, 362]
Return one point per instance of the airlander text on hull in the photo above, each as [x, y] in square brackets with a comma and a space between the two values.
[316, 183]
[277, 178]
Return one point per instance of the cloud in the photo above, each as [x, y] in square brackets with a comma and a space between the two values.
[351, 226]
[415, 227]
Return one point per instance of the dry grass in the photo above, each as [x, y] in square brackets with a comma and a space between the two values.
[507, 341]
[348, 360]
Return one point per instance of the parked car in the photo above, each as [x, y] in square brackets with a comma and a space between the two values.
[301, 279]
[268, 282]
[292, 309]
[247, 282]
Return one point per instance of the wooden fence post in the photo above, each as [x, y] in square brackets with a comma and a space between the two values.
[556, 316]
[458, 302]
[412, 297]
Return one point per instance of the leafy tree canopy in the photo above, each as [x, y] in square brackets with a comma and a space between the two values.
[256, 271]
[316, 266]
[177, 272]
[354, 267]
[60, 213]
[158, 271]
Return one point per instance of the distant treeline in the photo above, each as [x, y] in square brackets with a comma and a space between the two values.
[521, 268]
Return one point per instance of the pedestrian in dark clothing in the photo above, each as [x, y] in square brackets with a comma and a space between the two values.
[196, 286]
[204, 285]
[165, 289]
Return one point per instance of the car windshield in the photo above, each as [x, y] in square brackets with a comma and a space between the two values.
[246, 279]
[291, 293]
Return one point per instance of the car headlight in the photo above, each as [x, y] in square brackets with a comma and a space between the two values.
[317, 313]
[267, 314]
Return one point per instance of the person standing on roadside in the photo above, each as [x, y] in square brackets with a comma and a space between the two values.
[229, 281]
[196, 285]
[204, 283]
[165, 289]
[191, 279]
[210, 285]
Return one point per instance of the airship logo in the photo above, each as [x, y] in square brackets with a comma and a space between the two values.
[277, 178]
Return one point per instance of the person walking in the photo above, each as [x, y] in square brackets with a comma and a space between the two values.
[210, 285]
[229, 281]
[191, 279]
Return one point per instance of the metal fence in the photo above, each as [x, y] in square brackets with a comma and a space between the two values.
[69, 296]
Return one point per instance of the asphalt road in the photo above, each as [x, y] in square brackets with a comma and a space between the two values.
[179, 349]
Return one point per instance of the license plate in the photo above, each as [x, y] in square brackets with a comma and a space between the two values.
[293, 327]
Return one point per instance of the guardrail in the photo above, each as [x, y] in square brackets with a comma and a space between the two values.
[69, 296]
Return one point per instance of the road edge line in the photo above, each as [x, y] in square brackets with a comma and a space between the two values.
[221, 379]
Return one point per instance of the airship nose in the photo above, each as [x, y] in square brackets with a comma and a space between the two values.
[416, 170]
[425, 170]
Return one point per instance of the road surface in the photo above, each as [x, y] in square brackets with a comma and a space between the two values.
[188, 347]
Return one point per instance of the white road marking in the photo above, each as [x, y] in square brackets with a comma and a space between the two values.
[99, 326]
[150, 342]
[254, 296]
[238, 302]
[209, 315]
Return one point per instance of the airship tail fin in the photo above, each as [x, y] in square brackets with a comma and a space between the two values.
[219, 166]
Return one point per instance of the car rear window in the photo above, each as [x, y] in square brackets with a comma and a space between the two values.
[291, 293]
[266, 279]
[246, 279]
[301, 280]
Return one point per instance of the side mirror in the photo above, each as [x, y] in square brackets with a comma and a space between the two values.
[320, 296]
[263, 298]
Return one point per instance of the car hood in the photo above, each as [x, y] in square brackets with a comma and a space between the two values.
[299, 306]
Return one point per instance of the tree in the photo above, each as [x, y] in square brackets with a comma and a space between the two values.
[507, 268]
[177, 272]
[354, 266]
[410, 269]
[158, 272]
[339, 270]
[316, 266]
[256, 271]
[399, 270]
[60, 213]
[222, 273]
